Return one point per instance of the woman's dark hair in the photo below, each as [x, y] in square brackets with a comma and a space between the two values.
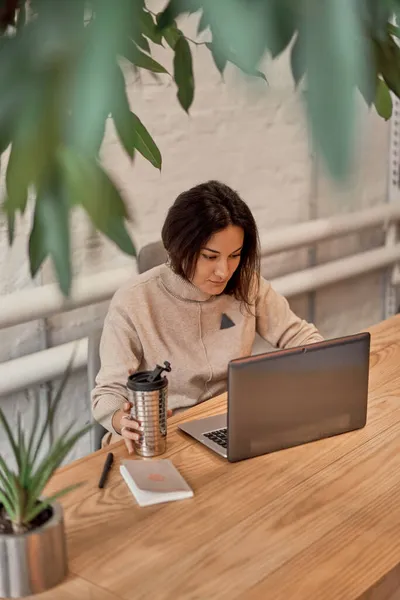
[195, 216]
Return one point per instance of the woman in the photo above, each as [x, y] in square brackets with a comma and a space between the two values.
[198, 311]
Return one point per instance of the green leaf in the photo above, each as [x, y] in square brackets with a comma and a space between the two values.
[121, 114]
[383, 100]
[43, 475]
[336, 58]
[130, 129]
[10, 438]
[376, 14]
[238, 30]
[149, 28]
[59, 451]
[34, 512]
[367, 82]
[126, 132]
[5, 488]
[244, 68]
[34, 140]
[48, 466]
[142, 42]
[12, 504]
[50, 234]
[388, 59]
[183, 73]
[171, 35]
[34, 430]
[55, 402]
[24, 469]
[6, 480]
[280, 24]
[219, 60]
[6, 470]
[167, 17]
[90, 186]
[393, 30]
[144, 143]
[203, 23]
[63, 29]
[51, 411]
[10, 215]
[141, 60]
[91, 92]
[38, 251]
[38, 445]
[5, 501]
[296, 64]
[5, 139]
[19, 175]
[16, 72]
[175, 8]
[20, 503]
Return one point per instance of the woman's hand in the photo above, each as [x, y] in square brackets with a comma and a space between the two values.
[128, 427]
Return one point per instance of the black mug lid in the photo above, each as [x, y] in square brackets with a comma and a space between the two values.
[138, 382]
[148, 381]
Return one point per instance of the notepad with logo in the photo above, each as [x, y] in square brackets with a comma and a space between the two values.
[154, 481]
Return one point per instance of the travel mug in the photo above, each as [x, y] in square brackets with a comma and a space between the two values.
[148, 393]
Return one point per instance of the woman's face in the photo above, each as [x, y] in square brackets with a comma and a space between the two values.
[218, 260]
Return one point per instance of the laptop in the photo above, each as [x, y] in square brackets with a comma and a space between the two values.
[289, 397]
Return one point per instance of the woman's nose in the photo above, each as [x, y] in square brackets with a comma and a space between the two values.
[221, 269]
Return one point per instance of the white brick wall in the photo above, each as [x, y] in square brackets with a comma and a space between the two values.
[253, 137]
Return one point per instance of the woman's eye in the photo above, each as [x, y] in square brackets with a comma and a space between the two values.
[214, 257]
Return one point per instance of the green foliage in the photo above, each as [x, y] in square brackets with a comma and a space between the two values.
[61, 80]
[21, 491]
[336, 48]
[334, 52]
[383, 100]
[183, 72]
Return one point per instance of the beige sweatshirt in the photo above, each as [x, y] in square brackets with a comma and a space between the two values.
[160, 316]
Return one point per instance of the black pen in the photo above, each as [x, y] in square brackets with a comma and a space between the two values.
[106, 468]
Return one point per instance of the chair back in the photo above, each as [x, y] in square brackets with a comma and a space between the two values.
[150, 256]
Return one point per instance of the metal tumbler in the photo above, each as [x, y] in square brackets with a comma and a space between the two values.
[148, 393]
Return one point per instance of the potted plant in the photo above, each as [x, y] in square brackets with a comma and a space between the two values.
[33, 554]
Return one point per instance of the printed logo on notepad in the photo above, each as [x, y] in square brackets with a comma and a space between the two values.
[156, 477]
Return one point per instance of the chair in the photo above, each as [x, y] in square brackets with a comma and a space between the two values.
[149, 256]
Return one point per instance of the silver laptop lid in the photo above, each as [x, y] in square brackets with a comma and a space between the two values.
[290, 397]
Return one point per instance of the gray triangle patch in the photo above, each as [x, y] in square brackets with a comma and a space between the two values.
[226, 322]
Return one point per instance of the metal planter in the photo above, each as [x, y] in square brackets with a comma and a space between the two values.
[35, 561]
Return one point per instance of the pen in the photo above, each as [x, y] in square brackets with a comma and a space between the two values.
[106, 468]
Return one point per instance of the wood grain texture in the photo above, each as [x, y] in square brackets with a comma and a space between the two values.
[75, 587]
[387, 588]
[320, 520]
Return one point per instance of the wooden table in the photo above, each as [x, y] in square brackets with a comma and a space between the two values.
[320, 521]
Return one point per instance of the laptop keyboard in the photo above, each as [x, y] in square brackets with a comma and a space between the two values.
[219, 436]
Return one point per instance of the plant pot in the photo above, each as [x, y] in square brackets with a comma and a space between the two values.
[35, 561]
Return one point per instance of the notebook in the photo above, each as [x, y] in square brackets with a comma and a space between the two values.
[154, 481]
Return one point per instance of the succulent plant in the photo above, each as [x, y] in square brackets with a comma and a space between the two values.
[21, 489]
